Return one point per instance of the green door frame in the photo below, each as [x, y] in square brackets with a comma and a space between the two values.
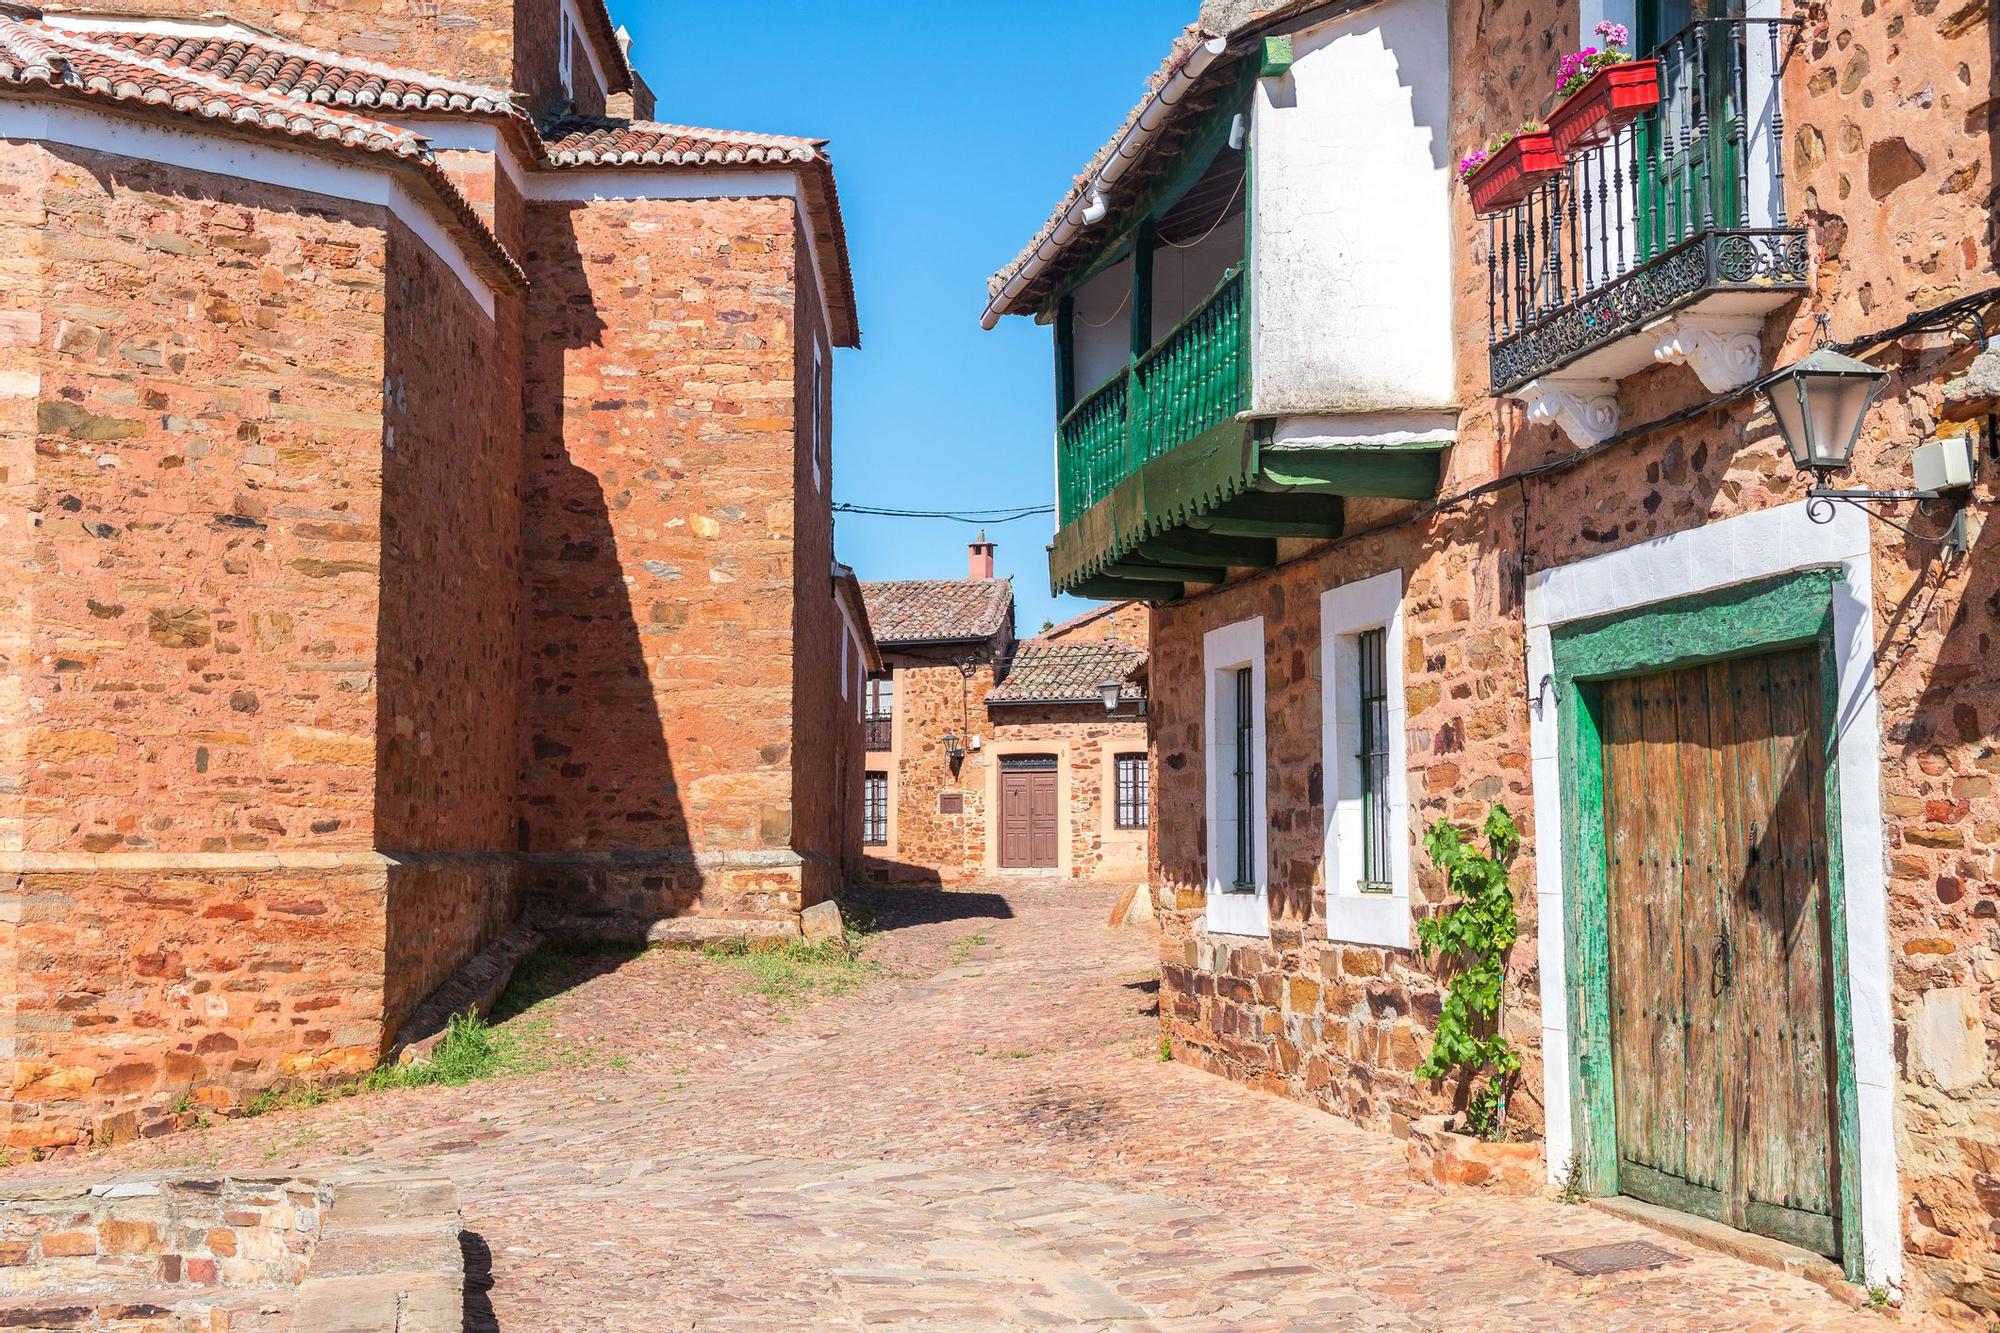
[1792, 610]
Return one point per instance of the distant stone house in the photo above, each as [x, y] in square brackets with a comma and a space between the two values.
[414, 516]
[1440, 512]
[991, 754]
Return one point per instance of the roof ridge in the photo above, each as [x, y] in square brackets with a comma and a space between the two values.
[331, 59]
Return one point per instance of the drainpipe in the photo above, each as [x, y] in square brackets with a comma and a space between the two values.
[1130, 148]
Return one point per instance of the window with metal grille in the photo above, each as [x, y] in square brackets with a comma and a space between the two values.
[1372, 679]
[1134, 790]
[1246, 808]
[878, 711]
[875, 809]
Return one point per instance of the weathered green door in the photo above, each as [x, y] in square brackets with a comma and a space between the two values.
[1720, 976]
[1690, 150]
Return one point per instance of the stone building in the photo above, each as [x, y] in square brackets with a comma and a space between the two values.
[1439, 513]
[414, 509]
[991, 754]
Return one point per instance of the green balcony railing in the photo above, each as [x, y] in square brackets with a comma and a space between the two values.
[1190, 382]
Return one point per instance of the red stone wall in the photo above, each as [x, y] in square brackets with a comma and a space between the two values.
[1890, 163]
[659, 541]
[1126, 622]
[205, 497]
[259, 620]
[825, 724]
[937, 691]
[1085, 738]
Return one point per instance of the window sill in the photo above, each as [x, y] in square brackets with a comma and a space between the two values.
[1379, 919]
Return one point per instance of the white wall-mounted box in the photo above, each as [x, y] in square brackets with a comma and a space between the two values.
[1943, 464]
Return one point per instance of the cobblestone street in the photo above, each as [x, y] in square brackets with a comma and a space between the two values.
[982, 1135]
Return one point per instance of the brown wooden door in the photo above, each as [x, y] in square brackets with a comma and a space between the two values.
[1028, 813]
[1721, 981]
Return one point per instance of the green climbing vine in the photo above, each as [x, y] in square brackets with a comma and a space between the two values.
[1478, 928]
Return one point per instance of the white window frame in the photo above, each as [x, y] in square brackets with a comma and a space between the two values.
[1224, 652]
[1346, 613]
[818, 416]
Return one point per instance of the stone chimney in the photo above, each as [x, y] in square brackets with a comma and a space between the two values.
[981, 563]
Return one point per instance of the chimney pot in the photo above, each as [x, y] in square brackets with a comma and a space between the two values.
[980, 564]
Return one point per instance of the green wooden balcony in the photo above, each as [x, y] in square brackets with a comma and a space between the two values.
[1162, 479]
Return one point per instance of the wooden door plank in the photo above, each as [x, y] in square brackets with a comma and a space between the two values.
[1624, 836]
[1666, 1066]
[1800, 1101]
[1704, 846]
[1729, 730]
[1756, 993]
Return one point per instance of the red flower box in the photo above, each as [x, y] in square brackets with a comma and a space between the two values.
[1505, 178]
[1616, 96]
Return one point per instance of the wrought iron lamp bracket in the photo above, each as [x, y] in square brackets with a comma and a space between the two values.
[1820, 502]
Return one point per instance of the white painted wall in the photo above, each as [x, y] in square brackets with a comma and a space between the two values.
[1351, 217]
[1183, 279]
[1103, 327]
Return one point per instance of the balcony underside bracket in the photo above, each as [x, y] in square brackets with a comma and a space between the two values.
[1190, 546]
[1395, 472]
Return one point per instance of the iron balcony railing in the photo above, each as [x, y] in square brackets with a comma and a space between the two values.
[875, 732]
[1191, 381]
[1688, 199]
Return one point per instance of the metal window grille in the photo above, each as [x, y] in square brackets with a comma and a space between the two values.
[1134, 790]
[1246, 839]
[875, 809]
[879, 710]
[1373, 682]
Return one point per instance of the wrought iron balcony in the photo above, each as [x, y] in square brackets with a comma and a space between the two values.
[1680, 214]
[876, 732]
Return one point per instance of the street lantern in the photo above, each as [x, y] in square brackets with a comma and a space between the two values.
[1111, 691]
[1820, 404]
[954, 748]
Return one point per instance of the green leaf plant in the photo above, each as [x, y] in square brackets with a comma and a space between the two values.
[1479, 928]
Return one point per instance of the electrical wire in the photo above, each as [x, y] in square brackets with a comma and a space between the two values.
[974, 516]
[1223, 217]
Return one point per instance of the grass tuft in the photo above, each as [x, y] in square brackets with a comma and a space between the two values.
[794, 971]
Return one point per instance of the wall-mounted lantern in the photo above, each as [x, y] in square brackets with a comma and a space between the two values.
[1821, 404]
[954, 748]
[1113, 694]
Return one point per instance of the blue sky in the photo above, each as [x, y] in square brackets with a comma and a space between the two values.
[955, 127]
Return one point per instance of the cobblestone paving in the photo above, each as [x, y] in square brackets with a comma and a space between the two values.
[984, 1138]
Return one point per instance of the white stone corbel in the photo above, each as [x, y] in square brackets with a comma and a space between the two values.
[1725, 351]
[1586, 410]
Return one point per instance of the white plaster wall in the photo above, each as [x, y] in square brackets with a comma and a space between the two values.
[1183, 279]
[1103, 327]
[1351, 217]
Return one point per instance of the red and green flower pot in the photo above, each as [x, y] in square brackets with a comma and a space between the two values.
[1505, 178]
[1616, 96]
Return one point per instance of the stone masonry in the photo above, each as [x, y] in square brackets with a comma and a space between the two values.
[361, 596]
[1889, 114]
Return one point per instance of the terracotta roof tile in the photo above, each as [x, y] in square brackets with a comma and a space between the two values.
[938, 610]
[37, 58]
[578, 141]
[287, 69]
[1044, 672]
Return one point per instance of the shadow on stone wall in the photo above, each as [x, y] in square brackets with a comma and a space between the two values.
[600, 817]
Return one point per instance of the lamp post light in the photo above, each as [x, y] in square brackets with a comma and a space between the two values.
[1821, 404]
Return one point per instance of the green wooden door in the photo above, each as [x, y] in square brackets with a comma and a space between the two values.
[1720, 961]
[1690, 155]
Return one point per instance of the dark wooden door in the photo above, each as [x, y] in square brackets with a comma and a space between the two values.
[1720, 961]
[1028, 813]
